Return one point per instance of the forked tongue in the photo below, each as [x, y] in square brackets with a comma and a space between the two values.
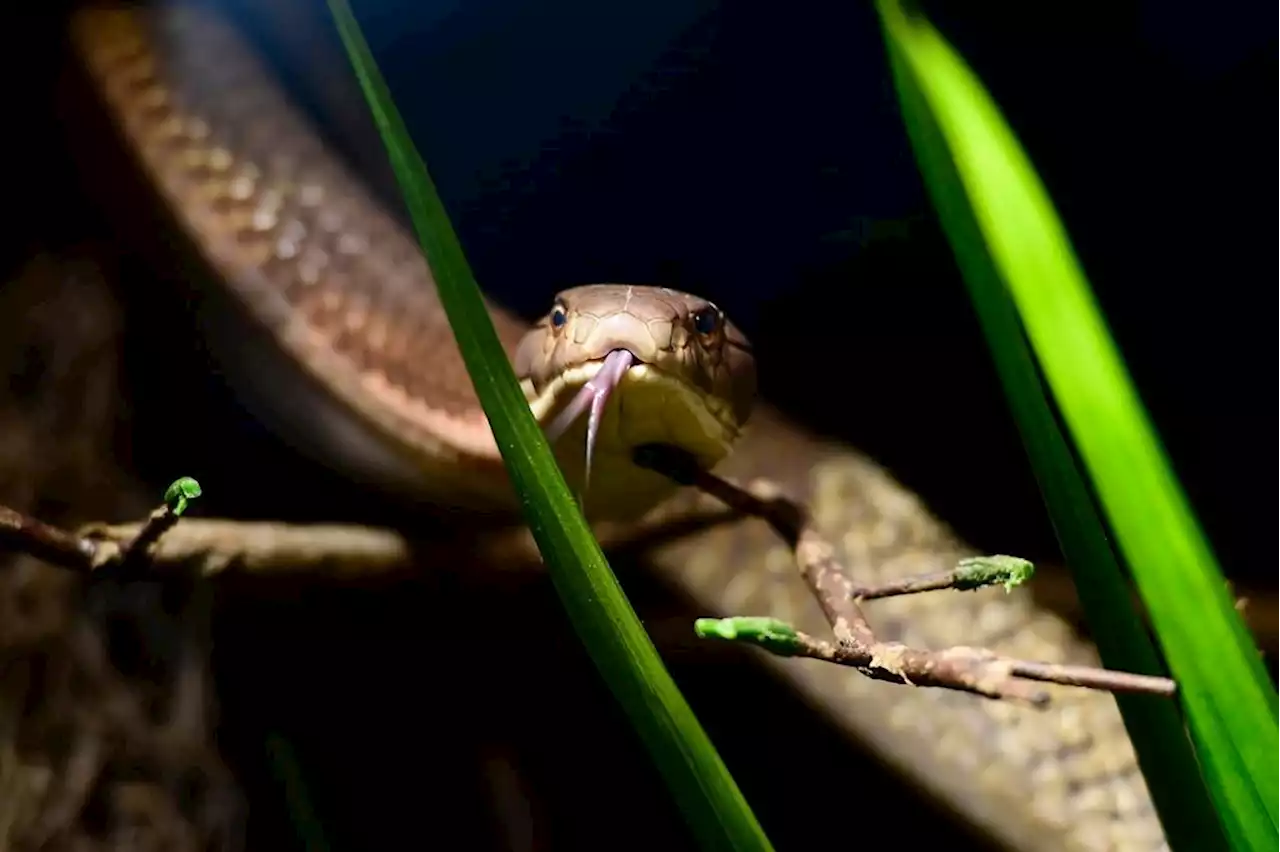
[594, 394]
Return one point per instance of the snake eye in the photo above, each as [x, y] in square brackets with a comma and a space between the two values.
[707, 321]
[559, 317]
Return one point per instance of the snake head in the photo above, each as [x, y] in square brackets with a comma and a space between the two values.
[652, 366]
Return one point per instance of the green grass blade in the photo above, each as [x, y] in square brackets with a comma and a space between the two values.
[298, 804]
[597, 607]
[1028, 288]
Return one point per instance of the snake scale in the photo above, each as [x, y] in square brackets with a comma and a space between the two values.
[277, 220]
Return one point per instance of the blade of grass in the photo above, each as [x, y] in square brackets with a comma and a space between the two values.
[1022, 275]
[302, 813]
[597, 607]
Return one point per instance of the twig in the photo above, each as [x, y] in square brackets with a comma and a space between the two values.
[966, 669]
[976, 572]
[135, 551]
[81, 552]
[64, 549]
[976, 670]
[1094, 678]
[134, 556]
[211, 547]
[207, 547]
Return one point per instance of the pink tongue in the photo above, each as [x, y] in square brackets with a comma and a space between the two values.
[594, 395]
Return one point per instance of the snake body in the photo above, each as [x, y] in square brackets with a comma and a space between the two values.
[342, 340]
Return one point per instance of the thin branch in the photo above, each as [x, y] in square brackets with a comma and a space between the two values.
[1094, 678]
[212, 547]
[907, 586]
[976, 572]
[974, 670]
[209, 547]
[53, 545]
[135, 552]
[338, 551]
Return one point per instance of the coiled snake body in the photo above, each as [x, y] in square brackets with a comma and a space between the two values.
[362, 352]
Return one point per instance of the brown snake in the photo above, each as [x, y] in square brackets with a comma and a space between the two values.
[361, 352]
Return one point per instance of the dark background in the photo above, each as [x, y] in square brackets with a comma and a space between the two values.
[753, 153]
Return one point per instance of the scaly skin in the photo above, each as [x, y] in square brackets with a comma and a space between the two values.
[336, 290]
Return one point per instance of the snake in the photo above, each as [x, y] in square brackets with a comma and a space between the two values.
[326, 315]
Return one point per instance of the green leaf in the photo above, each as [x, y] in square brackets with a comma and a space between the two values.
[1030, 293]
[180, 494]
[772, 634]
[597, 607]
[977, 572]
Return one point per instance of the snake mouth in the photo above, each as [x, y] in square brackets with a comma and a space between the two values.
[661, 408]
[593, 397]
